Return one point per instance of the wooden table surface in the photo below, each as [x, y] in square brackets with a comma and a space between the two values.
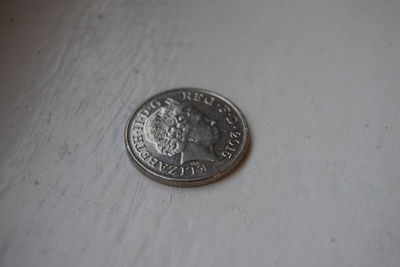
[318, 80]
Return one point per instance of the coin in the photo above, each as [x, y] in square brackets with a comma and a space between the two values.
[186, 137]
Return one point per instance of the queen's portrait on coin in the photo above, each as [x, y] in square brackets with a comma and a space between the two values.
[181, 129]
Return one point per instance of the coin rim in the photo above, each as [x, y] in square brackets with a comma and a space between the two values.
[195, 181]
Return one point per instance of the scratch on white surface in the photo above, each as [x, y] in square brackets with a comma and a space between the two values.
[245, 215]
[121, 235]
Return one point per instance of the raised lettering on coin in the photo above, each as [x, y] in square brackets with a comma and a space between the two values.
[186, 137]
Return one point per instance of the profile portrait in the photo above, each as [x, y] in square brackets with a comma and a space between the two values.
[181, 129]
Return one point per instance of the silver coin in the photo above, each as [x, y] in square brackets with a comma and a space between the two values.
[187, 137]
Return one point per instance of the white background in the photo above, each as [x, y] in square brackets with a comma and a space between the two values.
[318, 80]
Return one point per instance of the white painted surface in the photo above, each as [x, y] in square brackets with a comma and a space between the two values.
[318, 81]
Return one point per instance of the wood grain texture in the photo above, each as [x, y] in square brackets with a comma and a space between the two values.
[317, 80]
